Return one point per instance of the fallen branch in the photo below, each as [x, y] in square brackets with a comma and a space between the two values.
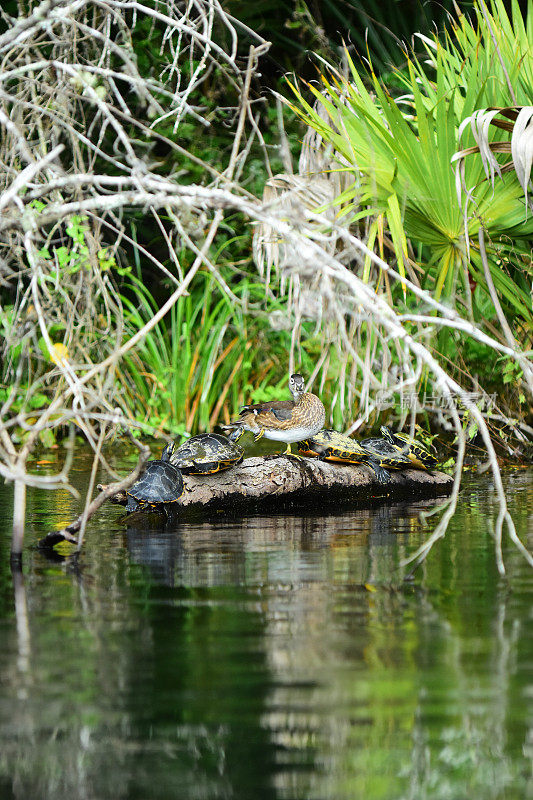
[67, 534]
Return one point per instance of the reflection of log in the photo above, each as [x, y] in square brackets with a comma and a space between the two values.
[284, 481]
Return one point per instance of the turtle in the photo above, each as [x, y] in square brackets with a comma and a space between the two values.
[331, 445]
[203, 454]
[420, 456]
[386, 454]
[160, 485]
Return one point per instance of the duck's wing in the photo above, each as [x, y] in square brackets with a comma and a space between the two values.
[274, 411]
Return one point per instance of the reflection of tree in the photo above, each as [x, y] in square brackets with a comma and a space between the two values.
[270, 657]
[57, 739]
[406, 703]
[127, 683]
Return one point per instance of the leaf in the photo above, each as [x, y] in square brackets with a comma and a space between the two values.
[38, 205]
[521, 145]
[479, 123]
[484, 303]
[58, 354]
[47, 437]
[472, 430]
[38, 400]
[63, 256]
[398, 234]
[522, 148]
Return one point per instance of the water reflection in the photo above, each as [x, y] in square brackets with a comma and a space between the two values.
[241, 548]
[23, 628]
[272, 657]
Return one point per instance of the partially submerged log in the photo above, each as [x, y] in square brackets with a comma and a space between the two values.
[282, 481]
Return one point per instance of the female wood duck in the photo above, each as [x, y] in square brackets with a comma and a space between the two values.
[282, 420]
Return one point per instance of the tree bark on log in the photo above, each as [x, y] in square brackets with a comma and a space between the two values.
[282, 481]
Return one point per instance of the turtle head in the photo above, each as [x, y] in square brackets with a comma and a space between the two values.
[387, 434]
[296, 386]
[167, 451]
[234, 434]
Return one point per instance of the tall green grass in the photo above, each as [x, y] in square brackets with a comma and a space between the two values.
[202, 362]
[208, 357]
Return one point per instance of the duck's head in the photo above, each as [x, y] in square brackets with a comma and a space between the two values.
[296, 386]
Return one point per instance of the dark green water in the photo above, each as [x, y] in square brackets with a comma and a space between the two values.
[269, 657]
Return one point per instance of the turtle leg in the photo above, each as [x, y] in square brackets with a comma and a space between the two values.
[382, 475]
[131, 505]
[259, 435]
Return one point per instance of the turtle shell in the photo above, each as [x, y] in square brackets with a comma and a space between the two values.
[418, 453]
[331, 445]
[386, 454]
[160, 483]
[204, 454]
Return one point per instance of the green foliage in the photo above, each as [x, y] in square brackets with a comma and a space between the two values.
[400, 153]
[201, 363]
[209, 355]
[513, 379]
[68, 274]
[70, 259]
[490, 58]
